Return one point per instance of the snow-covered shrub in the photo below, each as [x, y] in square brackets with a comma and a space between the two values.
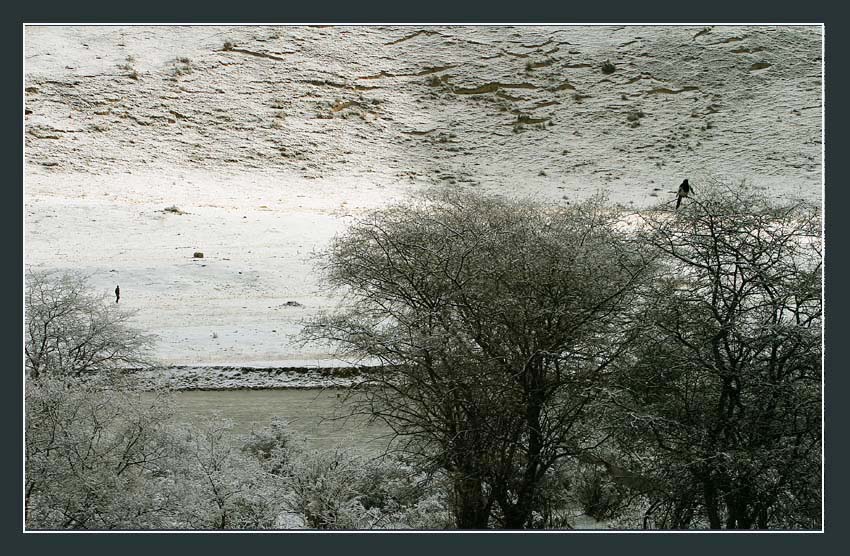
[220, 486]
[272, 446]
[95, 459]
[341, 490]
[323, 488]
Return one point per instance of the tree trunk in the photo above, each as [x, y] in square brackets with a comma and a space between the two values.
[514, 515]
[471, 508]
[518, 515]
[739, 517]
[710, 494]
[762, 518]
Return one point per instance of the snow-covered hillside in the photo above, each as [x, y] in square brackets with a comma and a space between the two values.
[265, 141]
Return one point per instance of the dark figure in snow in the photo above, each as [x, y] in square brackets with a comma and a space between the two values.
[684, 190]
[117, 294]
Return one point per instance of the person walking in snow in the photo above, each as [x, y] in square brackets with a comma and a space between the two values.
[684, 191]
[117, 294]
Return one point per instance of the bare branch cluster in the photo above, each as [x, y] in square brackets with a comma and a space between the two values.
[720, 399]
[681, 353]
[494, 322]
[71, 332]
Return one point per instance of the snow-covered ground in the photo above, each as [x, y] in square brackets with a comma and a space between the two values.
[269, 140]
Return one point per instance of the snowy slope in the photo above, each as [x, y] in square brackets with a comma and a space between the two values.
[269, 139]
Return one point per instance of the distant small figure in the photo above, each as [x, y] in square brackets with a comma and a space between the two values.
[684, 191]
[117, 294]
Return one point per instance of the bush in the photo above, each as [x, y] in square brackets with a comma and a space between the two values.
[272, 446]
[219, 485]
[95, 459]
[635, 115]
[598, 496]
[181, 66]
[341, 490]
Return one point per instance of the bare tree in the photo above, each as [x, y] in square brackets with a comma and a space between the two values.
[719, 404]
[70, 331]
[91, 453]
[493, 322]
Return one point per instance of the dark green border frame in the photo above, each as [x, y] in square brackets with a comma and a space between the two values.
[409, 544]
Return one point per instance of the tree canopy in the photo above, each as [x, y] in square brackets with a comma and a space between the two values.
[493, 322]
